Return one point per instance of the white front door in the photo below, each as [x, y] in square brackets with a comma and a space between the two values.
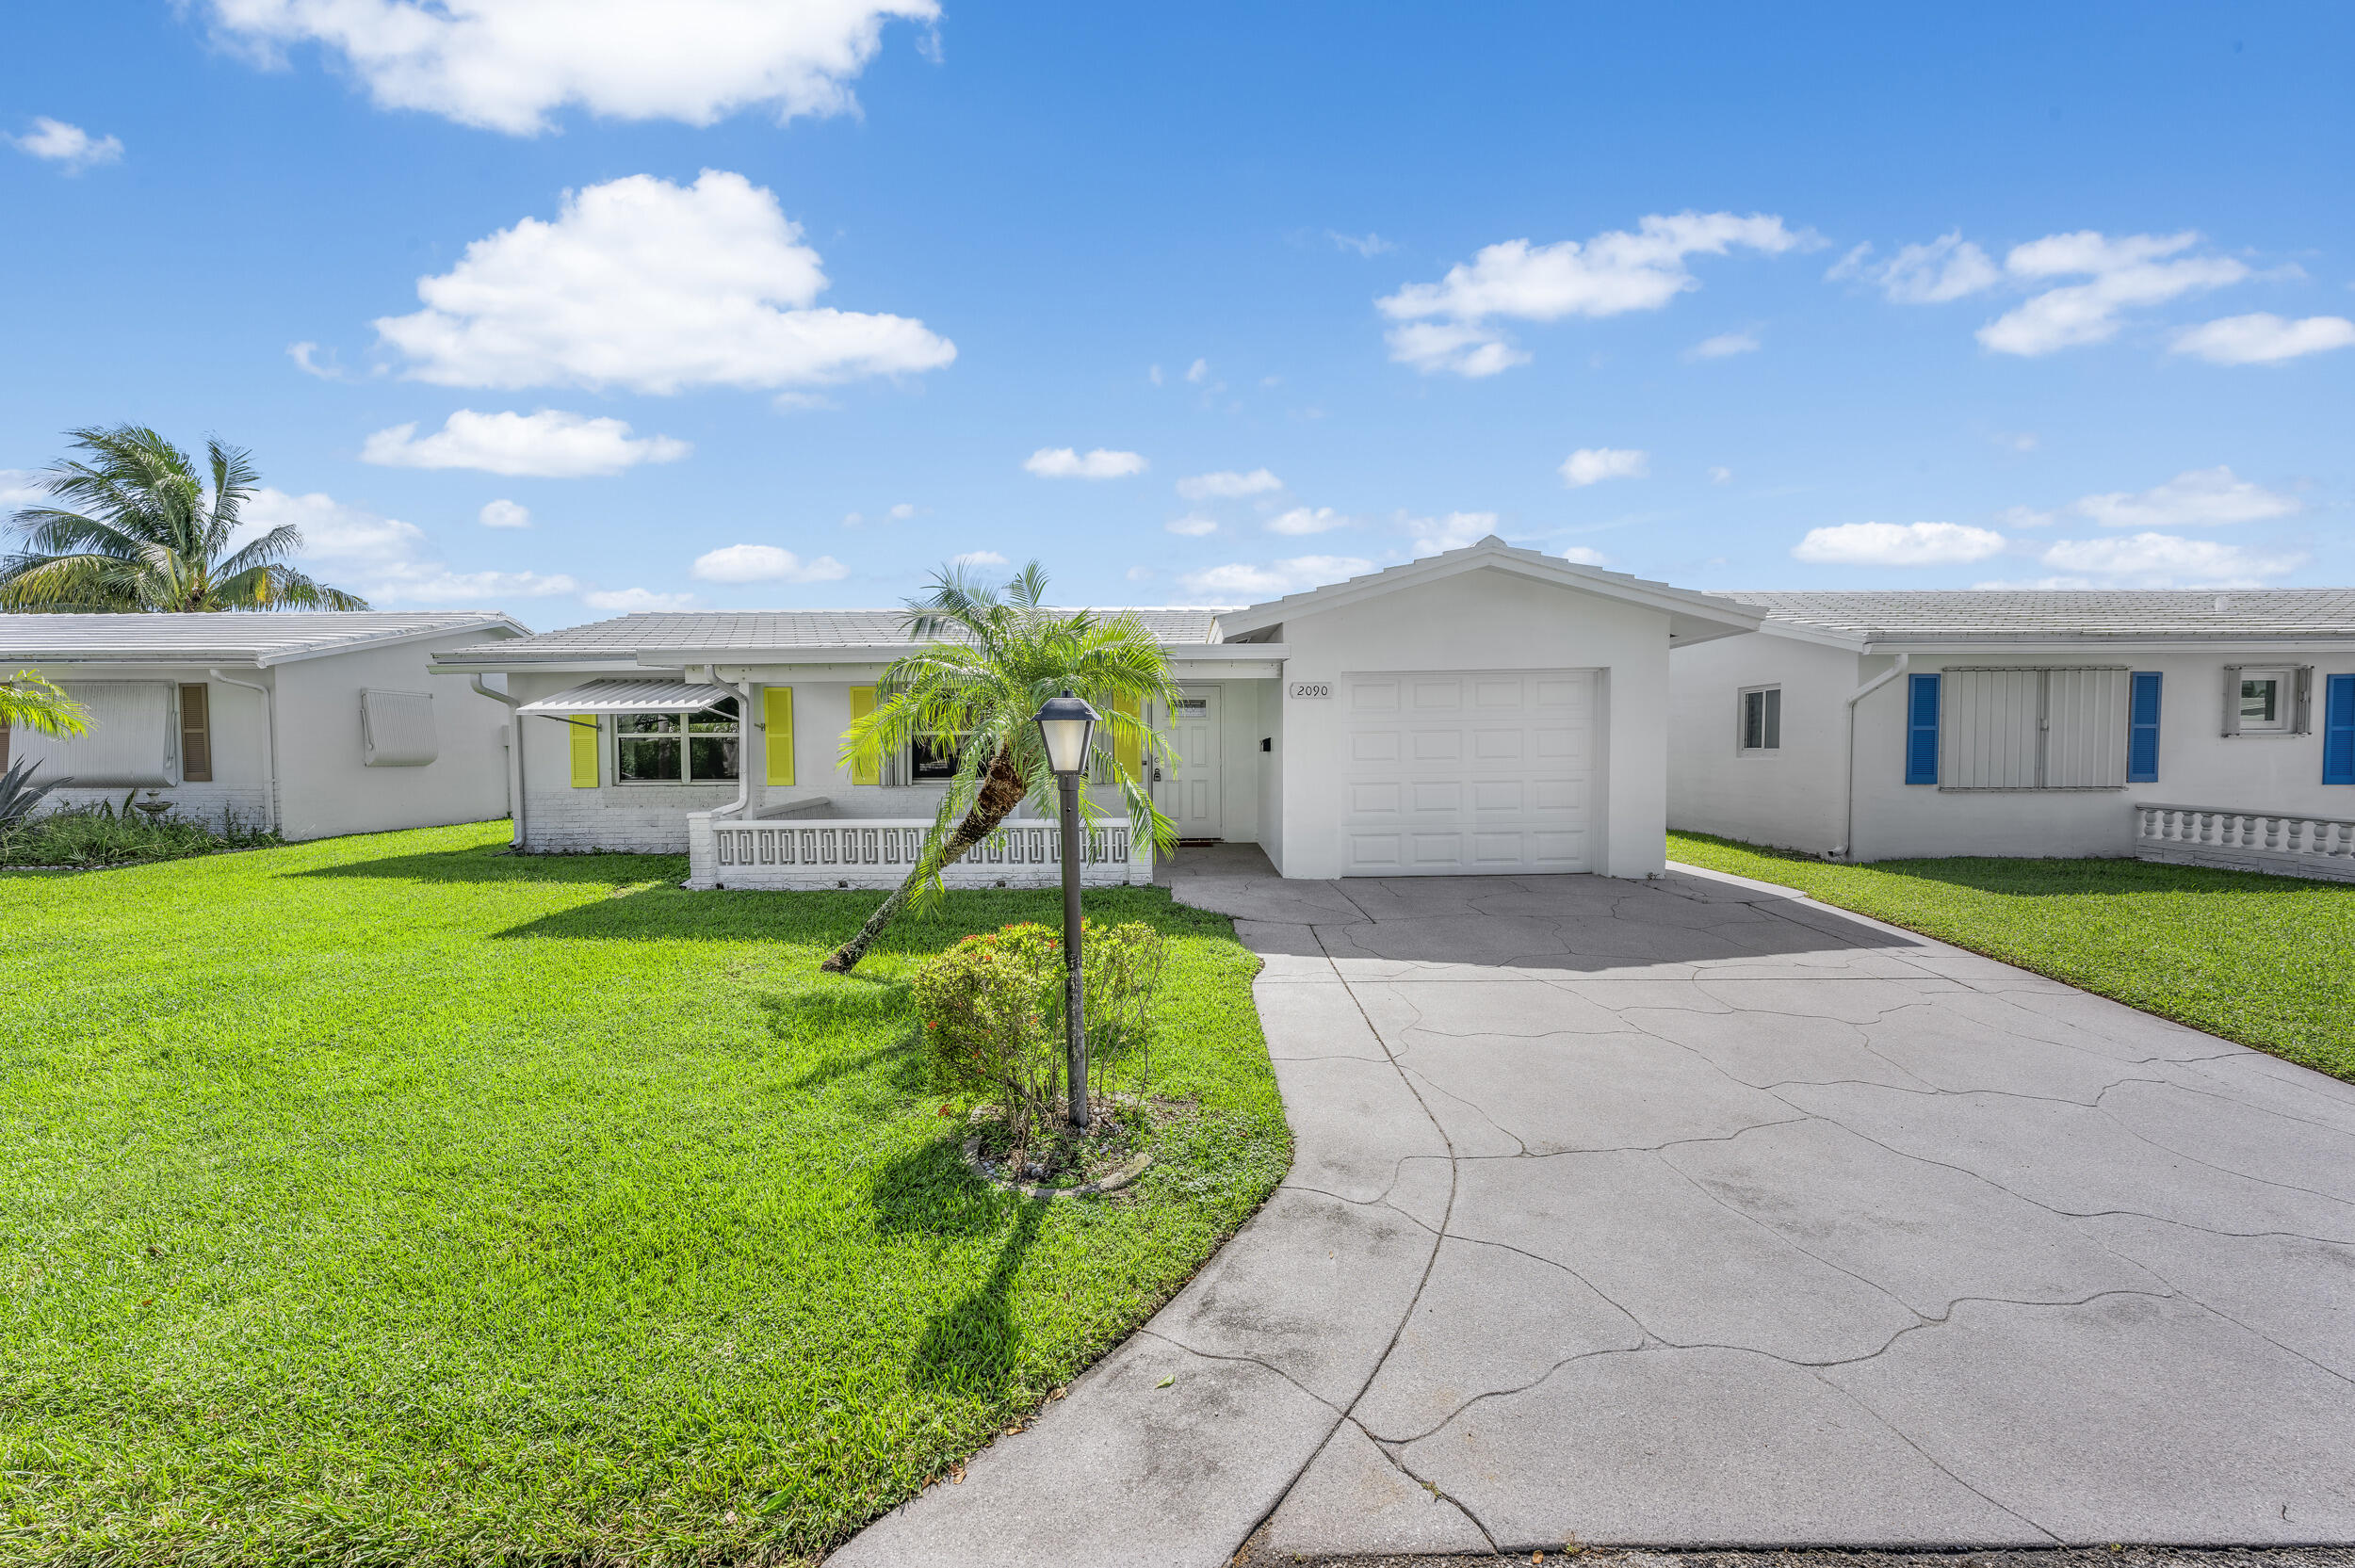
[1471, 770]
[1187, 791]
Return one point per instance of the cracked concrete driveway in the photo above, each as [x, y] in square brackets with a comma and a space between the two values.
[1693, 1213]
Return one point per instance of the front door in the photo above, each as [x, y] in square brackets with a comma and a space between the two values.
[1188, 789]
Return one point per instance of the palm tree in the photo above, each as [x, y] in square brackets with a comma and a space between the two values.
[28, 701]
[151, 535]
[992, 656]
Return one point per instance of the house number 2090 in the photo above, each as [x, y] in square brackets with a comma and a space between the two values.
[1312, 690]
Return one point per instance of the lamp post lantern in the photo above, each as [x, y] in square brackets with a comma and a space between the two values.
[1065, 726]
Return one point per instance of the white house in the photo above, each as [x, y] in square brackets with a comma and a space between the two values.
[311, 723]
[1490, 709]
[2204, 727]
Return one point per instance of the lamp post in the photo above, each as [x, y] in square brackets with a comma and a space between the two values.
[1066, 725]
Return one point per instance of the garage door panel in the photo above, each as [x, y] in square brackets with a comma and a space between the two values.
[1487, 770]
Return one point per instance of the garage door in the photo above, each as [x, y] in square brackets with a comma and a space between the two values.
[1469, 771]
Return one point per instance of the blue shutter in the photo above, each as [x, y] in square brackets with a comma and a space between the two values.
[2142, 729]
[2338, 731]
[1922, 730]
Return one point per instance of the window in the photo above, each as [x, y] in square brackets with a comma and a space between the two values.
[2261, 700]
[2034, 728]
[933, 758]
[2142, 728]
[677, 747]
[1922, 702]
[196, 734]
[1762, 719]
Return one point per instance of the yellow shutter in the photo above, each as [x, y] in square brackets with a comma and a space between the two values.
[776, 712]
[583, 729]
[1129, 750]
[863, 703]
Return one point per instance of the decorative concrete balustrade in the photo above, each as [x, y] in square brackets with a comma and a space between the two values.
[2287, 844]
[828, 851]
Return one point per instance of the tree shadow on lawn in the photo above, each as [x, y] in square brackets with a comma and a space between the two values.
[498, 864]
[972, 1346]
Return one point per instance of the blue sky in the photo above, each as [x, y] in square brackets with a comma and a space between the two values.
[572, 309]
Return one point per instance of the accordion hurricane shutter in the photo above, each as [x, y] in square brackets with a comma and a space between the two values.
[776, 717]
[396, 729]
[583, 729]
[130, 741]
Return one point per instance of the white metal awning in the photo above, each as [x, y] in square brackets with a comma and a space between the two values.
[631, 697]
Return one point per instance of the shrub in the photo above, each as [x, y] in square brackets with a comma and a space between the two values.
[99, 835]
[992, 1008]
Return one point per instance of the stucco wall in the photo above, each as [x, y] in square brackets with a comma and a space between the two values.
[1788, 798]
[1794, 800]
[324, 786]
[237, 783]
[1485, 619]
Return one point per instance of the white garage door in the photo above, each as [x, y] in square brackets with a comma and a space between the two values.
[1470, 771]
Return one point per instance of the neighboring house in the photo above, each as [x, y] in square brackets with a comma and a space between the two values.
[1490, 709]
[2204, 727]
[311, 723]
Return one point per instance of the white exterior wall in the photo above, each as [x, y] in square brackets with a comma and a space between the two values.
[1483, 619]
[1712, 790]
[1788, 799]
[323, 788]
[1268, 773]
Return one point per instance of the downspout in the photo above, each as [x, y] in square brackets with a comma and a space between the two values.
[743, 691]
[1847, 768]
[514, 758]
[269, 745]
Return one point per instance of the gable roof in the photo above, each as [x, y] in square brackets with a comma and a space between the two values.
[1692, 617]
[255, 637]
[2045, 615]
[740, 635]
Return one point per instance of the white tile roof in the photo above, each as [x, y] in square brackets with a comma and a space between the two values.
[757, 631]
[234, 636]
[2030, 615]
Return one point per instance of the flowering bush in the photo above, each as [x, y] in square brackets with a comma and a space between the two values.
[992, 1008]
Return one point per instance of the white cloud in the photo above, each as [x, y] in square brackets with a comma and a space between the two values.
[1198, 372]
[2201, 497]
[636, 601]
[1141, 574]
[1593, 464]
[1447, 325]
[978, 558]
[508, 65]
[1579, 554]
[2124, 272]
[382, 558]
[652, 286]
[1365, 245]
[1720, 474]
[1228, 485]
[1932, 273]
[1227, 583]
[1898, 544]
[901, 512]
[2265, 338]
[765, 564]
[549, 445]
[1061, 462]
[2165, 560]
[1430, 536]
[1724, 346]
[70, 147]
[504, 514]
[1307, 520]
[1192, 526]
[21, 487]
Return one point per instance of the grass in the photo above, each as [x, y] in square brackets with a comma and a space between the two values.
[2268, 961]
[392, 1200]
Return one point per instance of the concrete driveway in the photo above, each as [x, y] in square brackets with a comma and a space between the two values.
[1693, 1213]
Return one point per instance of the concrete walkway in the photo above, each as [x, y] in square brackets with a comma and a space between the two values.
[1693, 1213]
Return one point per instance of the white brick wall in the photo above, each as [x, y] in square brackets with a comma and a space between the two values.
[198, 802]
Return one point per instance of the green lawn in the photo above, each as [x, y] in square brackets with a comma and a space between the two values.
[2266, 960]
[391, 1200]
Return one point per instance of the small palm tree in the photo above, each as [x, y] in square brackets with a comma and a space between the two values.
[992, 656]
[135, 527]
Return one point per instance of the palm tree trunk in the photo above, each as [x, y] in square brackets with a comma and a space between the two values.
[1000, 794]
